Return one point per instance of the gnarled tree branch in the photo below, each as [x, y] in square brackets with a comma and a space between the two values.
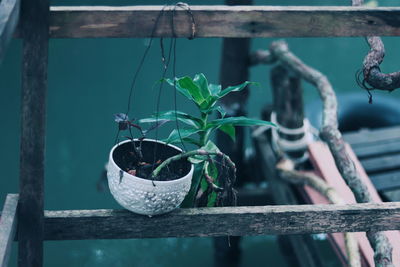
[198, 152]
[332, 136]
[372, 74]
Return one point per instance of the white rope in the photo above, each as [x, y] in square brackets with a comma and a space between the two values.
[284, 145]
[280, 144]
[290, 131]
[291, 145]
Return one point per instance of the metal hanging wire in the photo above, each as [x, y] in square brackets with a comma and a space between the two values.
[166, 62]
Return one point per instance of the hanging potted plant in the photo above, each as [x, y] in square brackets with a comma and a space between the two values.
[153, 177]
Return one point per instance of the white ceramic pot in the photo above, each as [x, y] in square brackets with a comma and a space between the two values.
[145, 196]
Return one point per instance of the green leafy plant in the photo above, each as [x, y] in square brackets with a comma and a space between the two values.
[209, 186]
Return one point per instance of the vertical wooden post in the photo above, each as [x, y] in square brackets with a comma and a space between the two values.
[234, 70]
[288, 103]
[35, 31]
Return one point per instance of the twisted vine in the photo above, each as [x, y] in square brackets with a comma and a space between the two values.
[332, 136]
[371, 77]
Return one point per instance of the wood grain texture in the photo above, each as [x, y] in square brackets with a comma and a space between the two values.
[225, 21]
[9, 15]
[386, 181]
[323, 163]
[34, 23]
[233, 221]
[379, 152]
[371, 137]
[382, 163]
[8, 224]
[378, 149]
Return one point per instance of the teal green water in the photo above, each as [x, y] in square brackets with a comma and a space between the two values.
[89, 81]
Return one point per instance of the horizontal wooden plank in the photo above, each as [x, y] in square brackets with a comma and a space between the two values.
[381, 164]
[372, 136]
[224, 21]
[9, 15]
[386, 181]
[8, 222]
[376, 149]
[201, 222]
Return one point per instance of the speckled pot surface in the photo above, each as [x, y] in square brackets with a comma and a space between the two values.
[142, 196]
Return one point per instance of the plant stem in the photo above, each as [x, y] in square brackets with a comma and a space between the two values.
[203, 134]
[200, 152]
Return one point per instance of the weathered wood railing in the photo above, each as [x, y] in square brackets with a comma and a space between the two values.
[8, 225]
[201, 222]
[225, 21]
[37, 24]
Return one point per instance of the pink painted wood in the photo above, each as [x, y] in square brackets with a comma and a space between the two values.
[325, 167]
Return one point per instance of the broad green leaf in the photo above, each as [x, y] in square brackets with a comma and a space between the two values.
[235, 88]
[212, 199]
[212, 170]
[187, 85]
[180, 90]
[215, 89]
[197, 176]
[176, 136]
[192, 141]
[211, 147]
[221, 111]
[170, 115]
[229, 129]
[202, 83]
[238, 121]
[215, 108]
[205, 105]
[197, 159]
[203, 184]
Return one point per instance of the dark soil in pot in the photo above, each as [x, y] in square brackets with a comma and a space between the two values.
[125, 157]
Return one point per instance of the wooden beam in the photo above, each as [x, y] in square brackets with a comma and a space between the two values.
[34, 23]
[367, 137]
[368, 150]
[9, 15]
[381, 164]
[234, 221]
[225, 21]
[386, 181]
[8, 223]
[234, 69]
